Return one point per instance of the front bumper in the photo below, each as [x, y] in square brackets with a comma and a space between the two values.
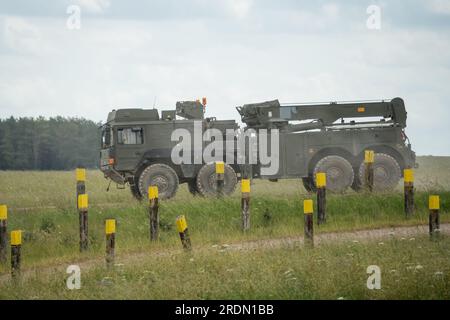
[112, 174]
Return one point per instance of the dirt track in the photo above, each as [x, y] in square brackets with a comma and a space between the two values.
[332, 237]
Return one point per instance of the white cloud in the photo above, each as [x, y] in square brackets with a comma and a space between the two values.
[439, 6]
[94, 6]
[331, 10]
[239, 8]
[21, 36]
[46, 69]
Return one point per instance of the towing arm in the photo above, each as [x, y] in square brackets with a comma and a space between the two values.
[271, 114]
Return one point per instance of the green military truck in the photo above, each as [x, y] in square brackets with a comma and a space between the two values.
[325, 137]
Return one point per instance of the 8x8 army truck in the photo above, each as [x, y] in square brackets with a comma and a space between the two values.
[324, 137]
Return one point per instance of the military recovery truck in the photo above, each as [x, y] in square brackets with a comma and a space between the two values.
[323, 137]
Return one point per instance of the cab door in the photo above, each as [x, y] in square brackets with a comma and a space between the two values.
[129, 147]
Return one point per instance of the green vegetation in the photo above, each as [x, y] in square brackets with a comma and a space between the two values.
[42, 204]
[413, 268]
[48, 144]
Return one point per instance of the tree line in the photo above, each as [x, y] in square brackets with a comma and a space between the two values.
[48, 144]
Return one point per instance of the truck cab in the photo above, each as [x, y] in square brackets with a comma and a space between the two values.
[137, 146]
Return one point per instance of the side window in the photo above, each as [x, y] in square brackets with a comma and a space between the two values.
[130, 135]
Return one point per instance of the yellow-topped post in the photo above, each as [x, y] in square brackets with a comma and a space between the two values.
[408, 175]
[3, 233]
[245, 204]
[369, 159]
[434, 202]
[3, 212]
[434, 220]
[110, 226]
[110, 232]
[16, 248]
[153, 192]
[369, 156]
[308, 206]
[220, 177]
[83, 205]
[408, 178]
[321, 184]
[83, 202]
[153, 195]
[80, 176]
[183, 232]
[308, 220]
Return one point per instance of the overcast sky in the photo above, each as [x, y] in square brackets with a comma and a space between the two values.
[133, 53]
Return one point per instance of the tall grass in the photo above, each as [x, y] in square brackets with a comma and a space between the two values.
[42, 204]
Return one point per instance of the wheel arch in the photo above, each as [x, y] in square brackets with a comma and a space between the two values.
[145, 162]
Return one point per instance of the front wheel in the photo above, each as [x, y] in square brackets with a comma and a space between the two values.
[162, 176]
[308, 184]
[135, 192]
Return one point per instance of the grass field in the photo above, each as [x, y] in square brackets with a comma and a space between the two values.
[42, 204]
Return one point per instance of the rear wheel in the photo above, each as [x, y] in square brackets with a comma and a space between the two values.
[339, 173]
[192, 187]
[206, 180]
[162, 176]
[357, 184]
[386, 172]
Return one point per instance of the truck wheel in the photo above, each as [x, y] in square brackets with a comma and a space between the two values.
[135, 192]
[339, 173]
[386, 172]
[162, 176]
[206, 180]
[192, 187]
[357, 185]
[308, 183]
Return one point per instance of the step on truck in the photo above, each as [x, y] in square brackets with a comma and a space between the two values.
[137, 145]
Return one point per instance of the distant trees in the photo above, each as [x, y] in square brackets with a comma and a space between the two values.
[48, 144]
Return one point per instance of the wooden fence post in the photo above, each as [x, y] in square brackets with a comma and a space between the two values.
[220, 176]
[16, 247]
[369, 158]
[80, 174]
[308, 228]
[83, 218]
[434, 221]
[3, 233]
[110, 231]
[184, 233]
[153, 212]
[408, 177]
[245, 204]
[321, 183]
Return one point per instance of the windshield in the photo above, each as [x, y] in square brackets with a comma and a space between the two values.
[106, 137]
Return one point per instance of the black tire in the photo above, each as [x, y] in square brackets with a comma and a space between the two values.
[308, 183]
[339, 173]
[206, 180]
[162, 176]
[192, 187]
[357, 184]
[386, 172]
[135, 191]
